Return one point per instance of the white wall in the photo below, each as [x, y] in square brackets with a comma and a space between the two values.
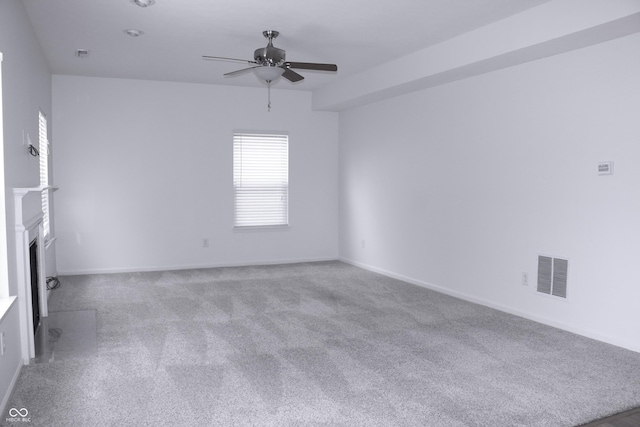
[26, 88]
[461, 186]
[145, 173]
[11, 361]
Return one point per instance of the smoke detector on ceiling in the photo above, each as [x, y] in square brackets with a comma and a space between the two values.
[133, 32]
[144, 3]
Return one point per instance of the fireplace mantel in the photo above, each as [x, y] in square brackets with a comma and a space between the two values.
[21, 192]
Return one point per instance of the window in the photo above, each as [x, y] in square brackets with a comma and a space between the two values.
[4, 261]
[261, 179]
[43, 148]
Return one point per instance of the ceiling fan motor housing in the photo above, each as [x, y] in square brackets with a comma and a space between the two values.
[269, 56]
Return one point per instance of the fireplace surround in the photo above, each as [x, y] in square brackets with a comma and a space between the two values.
[29, 230]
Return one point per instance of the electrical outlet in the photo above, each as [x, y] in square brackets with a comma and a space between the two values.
[525, 279]
[205, 242]
[363, 243]
[2, 347]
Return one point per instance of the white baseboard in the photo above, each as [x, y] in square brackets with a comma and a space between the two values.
[9, 391]
[633, 346]
[190, 266]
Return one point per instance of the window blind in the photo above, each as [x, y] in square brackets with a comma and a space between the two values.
[261, 179]
[43, 148]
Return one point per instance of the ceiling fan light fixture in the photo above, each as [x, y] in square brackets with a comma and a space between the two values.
[144, 3]
[268, 73]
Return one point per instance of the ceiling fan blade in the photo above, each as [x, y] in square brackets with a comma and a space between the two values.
[244, 70]
[311, 66]
[222, 58]
[291, 75]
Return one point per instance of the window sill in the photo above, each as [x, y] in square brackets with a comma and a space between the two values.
[5, 306]
[48, 241]
[255, 228]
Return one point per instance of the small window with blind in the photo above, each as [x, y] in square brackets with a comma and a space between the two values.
[261, 179]
[43, 149]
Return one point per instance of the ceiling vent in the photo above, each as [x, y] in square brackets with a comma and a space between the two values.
[552, 276]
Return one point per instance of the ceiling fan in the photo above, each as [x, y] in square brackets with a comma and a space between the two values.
[269, 64]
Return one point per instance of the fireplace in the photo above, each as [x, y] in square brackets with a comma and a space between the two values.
[35, 290]
[31, 268]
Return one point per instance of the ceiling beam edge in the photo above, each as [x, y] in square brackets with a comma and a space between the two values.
[553, 28]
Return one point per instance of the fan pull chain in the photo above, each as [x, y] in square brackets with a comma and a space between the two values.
[268, 96]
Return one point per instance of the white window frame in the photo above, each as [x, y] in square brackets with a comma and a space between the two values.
[261, 180]
[43, 149]
[5, 302]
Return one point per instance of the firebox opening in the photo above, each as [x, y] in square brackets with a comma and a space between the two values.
[35, 294]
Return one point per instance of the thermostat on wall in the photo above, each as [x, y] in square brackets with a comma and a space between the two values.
[605, 168]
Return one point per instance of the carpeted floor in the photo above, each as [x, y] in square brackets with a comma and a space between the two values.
[314, 344]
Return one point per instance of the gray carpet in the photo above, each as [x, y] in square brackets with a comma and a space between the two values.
[317, 344]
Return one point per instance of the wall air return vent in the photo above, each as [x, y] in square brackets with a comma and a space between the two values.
[552, 276]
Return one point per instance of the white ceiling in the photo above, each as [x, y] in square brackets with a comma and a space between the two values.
[354, 34]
